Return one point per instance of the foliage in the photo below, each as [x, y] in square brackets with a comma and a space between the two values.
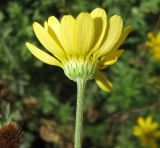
[46, 98]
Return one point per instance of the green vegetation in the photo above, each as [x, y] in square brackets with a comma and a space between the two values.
[43, 100]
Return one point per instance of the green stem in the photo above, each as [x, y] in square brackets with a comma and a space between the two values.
[79, 113]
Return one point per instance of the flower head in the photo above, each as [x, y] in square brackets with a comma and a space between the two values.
[10, 136]
[147, 131]
[82, 46]
[154, 44]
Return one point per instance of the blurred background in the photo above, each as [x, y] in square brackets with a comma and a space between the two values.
[43, 100]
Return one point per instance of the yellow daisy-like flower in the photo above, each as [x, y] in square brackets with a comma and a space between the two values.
[154, 44]
[147, 131]
[82, 46]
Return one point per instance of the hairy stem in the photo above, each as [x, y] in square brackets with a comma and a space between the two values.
[79, 113]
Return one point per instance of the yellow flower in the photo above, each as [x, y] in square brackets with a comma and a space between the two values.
[154, 44]
[82, 46]
[147, 131]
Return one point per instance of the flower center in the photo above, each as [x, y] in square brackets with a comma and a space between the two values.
[80, 69]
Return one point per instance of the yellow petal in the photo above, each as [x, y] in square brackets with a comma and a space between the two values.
[54, 24]
[158, 38]
[67, 33]
[43, 56]
[84, 33]
[46, 26]
[103, 82]
[137, 131]
[111, 58]
[52, 33]
[113, 53]
[149, 121]
[123, 36]
[141, 122]
[114, 33]
[154, 126]
[100, 21]
[107, 63]
[110, 61]
[48, 42]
